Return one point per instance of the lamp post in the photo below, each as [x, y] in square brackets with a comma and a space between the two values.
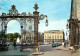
[37, 17]
[36, 21]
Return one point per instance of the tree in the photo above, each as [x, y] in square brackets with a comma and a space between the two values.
[16, 35]
[10, 36]
[2, 35]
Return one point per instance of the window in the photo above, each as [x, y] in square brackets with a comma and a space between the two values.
[55, 36]
[60, 37]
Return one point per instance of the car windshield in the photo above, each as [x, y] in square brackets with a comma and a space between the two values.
[53, 43]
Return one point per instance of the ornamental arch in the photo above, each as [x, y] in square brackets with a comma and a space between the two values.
[28, 23]
[25, 20]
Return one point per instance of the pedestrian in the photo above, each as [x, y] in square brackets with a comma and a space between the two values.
[15, 45]
[65, 44]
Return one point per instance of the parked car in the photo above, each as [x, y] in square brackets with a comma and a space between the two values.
[11, 43]
[27, 44]
[54, 44]
[7, 43]
[58, 44]
[18, 44]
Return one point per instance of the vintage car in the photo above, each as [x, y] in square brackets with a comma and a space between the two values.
[56, 44]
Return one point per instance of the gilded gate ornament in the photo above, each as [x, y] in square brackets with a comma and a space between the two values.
[32, 21]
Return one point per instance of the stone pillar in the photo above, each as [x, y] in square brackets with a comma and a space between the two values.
[76, 36]
[71, 32]
[74, 32]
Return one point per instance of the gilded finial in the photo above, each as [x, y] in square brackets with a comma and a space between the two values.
[36, 6]
[13, 7]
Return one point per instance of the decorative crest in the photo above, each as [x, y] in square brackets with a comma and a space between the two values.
[13, 11]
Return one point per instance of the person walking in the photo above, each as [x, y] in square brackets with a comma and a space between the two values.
[15, 45]
[65, 44]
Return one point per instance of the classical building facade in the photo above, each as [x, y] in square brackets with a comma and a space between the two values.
[53, 36]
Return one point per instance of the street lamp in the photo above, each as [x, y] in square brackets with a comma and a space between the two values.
[67, 26]
[36, 21]
[42, 17]
[46, 23]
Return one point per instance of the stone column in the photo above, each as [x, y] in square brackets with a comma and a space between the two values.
[74, 32]
[71, 32]
[77, 36]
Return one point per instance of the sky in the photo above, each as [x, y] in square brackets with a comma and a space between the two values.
[58, 12]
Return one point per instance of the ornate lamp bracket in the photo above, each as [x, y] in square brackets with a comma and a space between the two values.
[41, 17]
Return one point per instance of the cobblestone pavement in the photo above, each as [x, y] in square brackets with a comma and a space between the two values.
[44, 48]
[58, 51]
[76, 53]
[62, 48]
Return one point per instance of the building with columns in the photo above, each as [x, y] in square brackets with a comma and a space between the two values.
[53, 36]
